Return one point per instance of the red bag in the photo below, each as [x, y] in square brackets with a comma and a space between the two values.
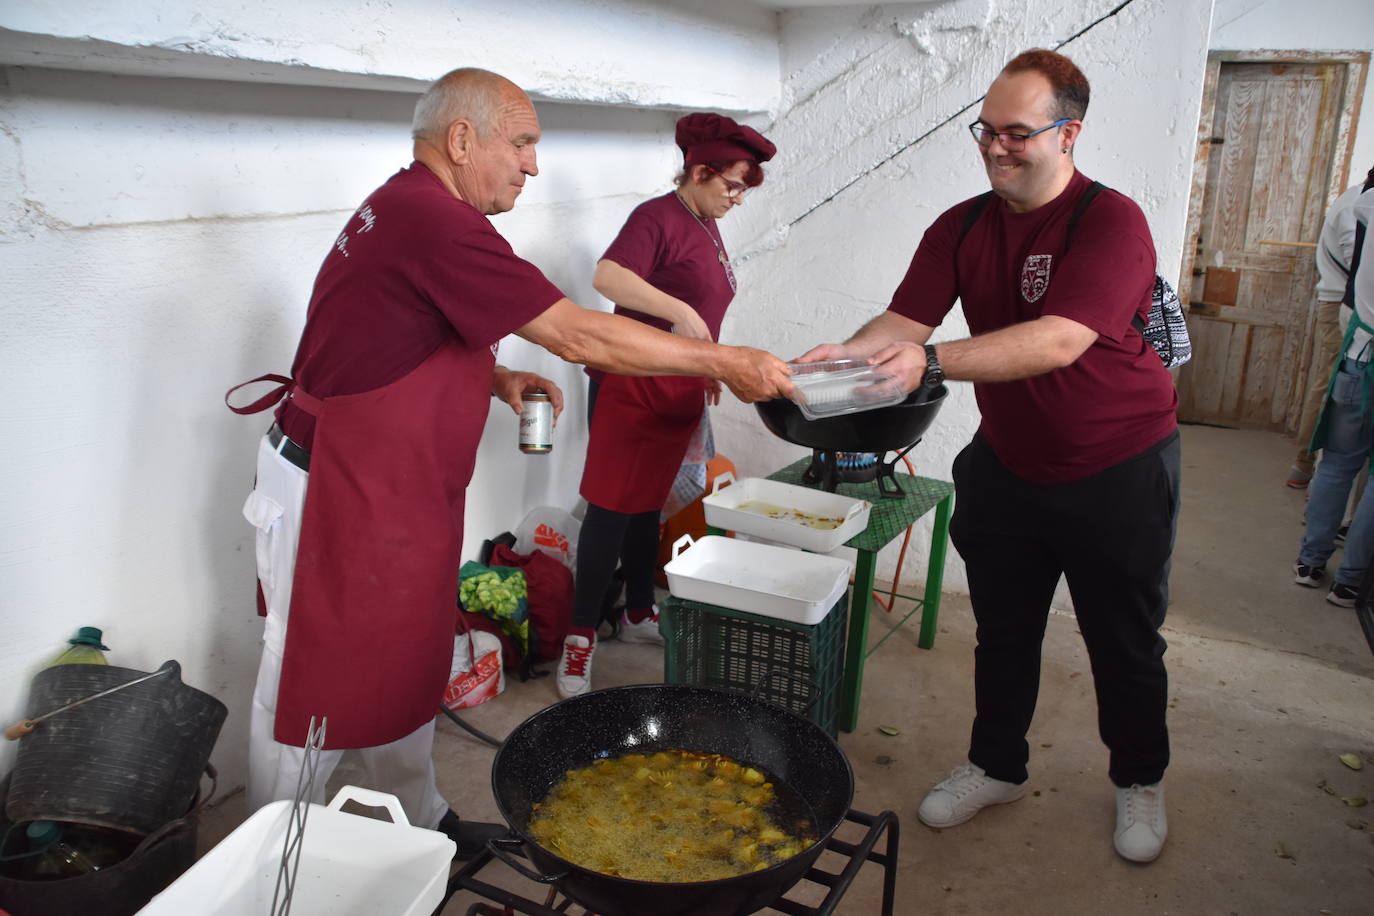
[550, 599]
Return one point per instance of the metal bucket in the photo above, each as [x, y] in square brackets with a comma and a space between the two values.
[129, 761]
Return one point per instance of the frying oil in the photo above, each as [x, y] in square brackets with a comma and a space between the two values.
[672, 816]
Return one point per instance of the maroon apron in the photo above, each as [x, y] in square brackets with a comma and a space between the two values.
[369, 638]
[641, 428]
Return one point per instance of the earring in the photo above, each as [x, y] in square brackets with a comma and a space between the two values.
[1064, 149]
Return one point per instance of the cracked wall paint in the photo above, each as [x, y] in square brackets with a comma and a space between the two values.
[874, 147]
[708, 54]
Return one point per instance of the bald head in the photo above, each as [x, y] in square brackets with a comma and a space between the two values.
[469, 94]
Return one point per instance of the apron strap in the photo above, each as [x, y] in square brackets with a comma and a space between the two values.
[1319, 432]
[284, 389]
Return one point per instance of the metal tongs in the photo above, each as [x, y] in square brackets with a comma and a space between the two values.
[20, 729]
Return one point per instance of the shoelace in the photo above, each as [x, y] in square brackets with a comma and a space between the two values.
[1141, 802]
[575, 660]
[969, 778]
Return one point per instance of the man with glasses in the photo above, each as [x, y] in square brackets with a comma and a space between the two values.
[1074, 470]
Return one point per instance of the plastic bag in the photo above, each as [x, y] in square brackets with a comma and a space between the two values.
[551, 531]
[476, 675]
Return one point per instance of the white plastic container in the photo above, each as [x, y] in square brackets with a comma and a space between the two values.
[349, 865]
[773, 581]
[785, 512]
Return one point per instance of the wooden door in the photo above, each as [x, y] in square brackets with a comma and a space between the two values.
[1264, 197]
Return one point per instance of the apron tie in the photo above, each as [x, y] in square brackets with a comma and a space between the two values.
[287, 389]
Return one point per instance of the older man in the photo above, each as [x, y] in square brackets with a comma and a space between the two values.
[1074, 470]
[360, 482]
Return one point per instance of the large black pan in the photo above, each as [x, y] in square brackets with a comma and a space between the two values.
[649, 718]
[881, 430]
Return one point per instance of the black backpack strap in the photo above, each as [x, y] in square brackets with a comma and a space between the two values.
[1093, 190]
[975, 210]
[1361, 230]
[1078, 209]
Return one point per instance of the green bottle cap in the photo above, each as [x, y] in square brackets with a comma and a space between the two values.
[43, 834]
[89, 636]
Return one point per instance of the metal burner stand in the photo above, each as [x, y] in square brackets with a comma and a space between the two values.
[827, 472]
[856, 853]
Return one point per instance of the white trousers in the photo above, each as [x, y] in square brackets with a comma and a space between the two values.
[405, 767]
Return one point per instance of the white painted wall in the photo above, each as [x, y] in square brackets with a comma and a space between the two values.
[873, 146]
[169, 182]
[158, 240]
[1313, 25]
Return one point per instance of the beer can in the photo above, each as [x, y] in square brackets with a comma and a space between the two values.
[536, 423]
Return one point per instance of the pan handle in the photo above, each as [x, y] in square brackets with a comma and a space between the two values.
[774, 672]
[499, 846]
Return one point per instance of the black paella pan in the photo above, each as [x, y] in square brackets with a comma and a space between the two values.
[655, 717]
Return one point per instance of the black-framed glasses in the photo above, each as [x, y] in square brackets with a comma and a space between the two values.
[1012, 142]
[733, 189]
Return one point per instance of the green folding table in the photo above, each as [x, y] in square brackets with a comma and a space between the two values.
[890, 517]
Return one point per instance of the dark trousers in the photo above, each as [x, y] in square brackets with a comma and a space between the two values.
[608, 539]
[1110, 536]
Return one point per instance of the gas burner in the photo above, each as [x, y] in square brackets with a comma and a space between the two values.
[831, 468]
[854, 856]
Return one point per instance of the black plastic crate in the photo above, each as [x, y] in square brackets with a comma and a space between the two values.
[788, 663]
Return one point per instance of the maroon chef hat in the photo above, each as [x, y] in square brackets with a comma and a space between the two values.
[705, 137]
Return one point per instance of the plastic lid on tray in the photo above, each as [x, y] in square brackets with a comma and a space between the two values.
[828, 389]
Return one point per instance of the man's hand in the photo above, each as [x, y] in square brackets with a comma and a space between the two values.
[756, 375]
[904, 361]
[508, 386]
[826, 353]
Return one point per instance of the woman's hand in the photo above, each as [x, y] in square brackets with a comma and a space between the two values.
[508, 386]
[689, 324]
[713, 389]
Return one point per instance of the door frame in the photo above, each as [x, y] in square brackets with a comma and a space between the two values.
[1356, 64]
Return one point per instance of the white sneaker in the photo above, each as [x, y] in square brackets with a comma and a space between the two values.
[967, 790]
[644, 631]
[1141, 824]
[575, 667]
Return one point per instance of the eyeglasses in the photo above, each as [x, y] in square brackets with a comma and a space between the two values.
[1013, 143]
[733, 189]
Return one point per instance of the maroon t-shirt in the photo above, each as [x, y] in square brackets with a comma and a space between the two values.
[414, 267]
[677, 253]
[1114, 401]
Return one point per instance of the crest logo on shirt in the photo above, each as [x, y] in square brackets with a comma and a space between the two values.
[1035, 276]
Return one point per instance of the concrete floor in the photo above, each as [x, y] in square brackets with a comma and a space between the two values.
[1269, 685]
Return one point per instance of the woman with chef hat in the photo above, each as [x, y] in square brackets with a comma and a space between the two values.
[668, 268]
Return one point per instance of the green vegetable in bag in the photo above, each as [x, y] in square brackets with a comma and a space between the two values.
[500, 593]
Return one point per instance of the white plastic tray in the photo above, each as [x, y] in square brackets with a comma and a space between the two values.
[725, 509]
[349, 866]
[744, 576]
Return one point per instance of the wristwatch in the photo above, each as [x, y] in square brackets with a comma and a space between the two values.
[934, 374]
